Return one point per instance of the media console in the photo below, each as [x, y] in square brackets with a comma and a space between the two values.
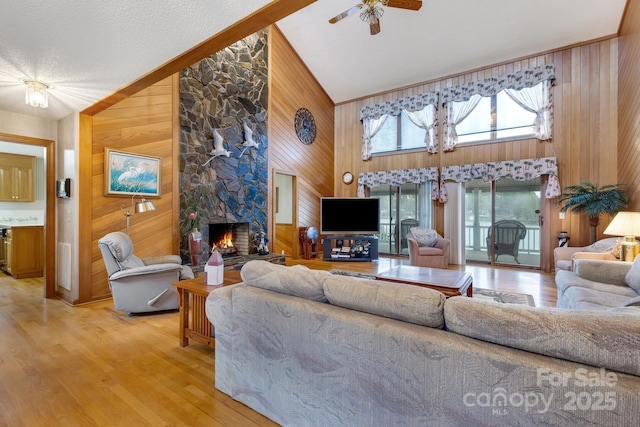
[350, 248]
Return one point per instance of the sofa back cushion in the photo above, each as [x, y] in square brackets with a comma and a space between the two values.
[297, 280]
[408, 303]
[604, 339]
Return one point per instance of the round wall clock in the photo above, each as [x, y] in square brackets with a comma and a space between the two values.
[305, 126]
[347, 178]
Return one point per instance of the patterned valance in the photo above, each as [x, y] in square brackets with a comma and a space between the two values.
[396, 177]
[395, 107]
[520, 170]
[489, 87]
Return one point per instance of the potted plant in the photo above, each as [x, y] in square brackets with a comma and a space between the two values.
[594, 201]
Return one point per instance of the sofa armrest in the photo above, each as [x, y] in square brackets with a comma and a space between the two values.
[219, 311]
[565, 253]
[444, 245]
[146, 270]
[603, 256]
[611, 272]
[413, 250]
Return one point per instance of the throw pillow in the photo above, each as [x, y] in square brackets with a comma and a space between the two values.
[425, 236]
[603, 245]
[633, 276]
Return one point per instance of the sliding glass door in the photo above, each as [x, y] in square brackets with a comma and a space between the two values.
[502, 222]
[401, 207]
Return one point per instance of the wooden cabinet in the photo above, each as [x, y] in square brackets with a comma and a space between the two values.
[24, 251]
[17, 178]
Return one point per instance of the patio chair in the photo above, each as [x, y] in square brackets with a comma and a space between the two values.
[507, 238]
[405, 227]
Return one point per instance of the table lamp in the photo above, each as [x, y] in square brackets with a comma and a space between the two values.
[626, 224]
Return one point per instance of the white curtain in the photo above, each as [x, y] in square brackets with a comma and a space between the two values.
[456, 112]
[454, 222]
[371, 128]
[426, 205]
[536, 100]
[425, 119]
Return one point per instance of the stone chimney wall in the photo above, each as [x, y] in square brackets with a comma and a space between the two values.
[218, 94]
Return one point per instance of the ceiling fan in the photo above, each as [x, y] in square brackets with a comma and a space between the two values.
[371, 11]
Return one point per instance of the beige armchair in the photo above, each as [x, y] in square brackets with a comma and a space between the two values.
[436, 256]
[141, 285]
[564, 256]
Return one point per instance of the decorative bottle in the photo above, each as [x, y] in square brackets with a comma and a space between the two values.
[195, 246]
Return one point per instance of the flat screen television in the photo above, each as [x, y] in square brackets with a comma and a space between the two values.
[349, 215]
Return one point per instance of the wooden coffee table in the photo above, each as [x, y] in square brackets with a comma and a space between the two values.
[192, 296]
[449, 282]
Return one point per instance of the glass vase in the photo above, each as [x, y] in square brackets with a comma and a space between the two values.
[195, 246]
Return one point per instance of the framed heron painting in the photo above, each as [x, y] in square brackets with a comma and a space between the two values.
[127, 174]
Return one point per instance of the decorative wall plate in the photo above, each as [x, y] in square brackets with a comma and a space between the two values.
[305, 126]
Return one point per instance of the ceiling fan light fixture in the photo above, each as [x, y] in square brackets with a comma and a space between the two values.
[36, 94]
[372, 14]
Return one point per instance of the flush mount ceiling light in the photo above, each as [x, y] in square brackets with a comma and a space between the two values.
[36, 94]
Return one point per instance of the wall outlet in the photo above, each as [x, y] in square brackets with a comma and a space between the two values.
[561, 215]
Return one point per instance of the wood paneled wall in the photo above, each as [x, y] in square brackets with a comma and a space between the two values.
[629, 106]
[291, 87]
[584, 132]
[142, 124]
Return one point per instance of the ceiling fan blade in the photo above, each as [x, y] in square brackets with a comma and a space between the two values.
[374, 27]
[344, 14]
[406, 4]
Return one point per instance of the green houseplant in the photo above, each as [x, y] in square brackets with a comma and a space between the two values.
[594, 201]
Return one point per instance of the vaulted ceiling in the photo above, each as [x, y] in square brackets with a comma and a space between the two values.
[89, 50]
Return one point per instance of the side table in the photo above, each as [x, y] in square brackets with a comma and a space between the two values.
[192, 296]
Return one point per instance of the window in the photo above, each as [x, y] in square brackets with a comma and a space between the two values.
[496, 117]
[399, 133]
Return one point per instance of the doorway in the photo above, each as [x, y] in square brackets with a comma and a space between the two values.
[285, 214]
[503, 222]
[50, 208]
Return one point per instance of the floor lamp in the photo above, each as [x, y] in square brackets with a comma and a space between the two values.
[143, 205]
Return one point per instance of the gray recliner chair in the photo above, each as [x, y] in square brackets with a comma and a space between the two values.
[141, 285]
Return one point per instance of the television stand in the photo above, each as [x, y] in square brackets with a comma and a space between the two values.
[350, 248]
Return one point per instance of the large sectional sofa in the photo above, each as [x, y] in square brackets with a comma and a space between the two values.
[309, 348]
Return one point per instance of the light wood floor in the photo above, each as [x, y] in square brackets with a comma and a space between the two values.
[92, 366]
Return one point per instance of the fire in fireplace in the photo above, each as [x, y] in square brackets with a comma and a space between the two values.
[231, 239]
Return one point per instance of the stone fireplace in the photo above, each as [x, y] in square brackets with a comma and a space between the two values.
[225, 97]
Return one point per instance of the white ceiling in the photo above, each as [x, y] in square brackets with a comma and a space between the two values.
[444, 37]
[90, 49]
